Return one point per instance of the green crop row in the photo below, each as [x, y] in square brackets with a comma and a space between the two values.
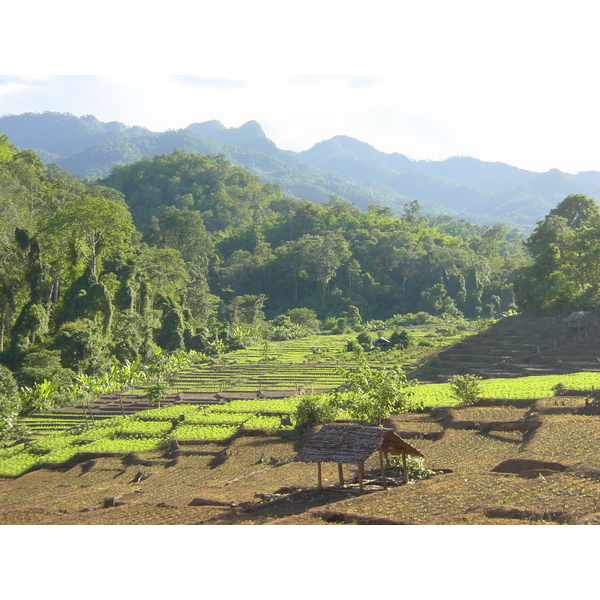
[204, 432]
[532, 387]
[263, 422]
[220, 417]
[170, 412]
[286, 405]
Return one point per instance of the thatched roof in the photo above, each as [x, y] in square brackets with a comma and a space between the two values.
[352, 444]
[577, 317]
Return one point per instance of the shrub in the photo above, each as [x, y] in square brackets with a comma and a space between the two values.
[44, 364]
[401, 339]
[374, 394]
[466, 388]
[305, 317]
[341, 326]
[10, 401]
[314, 410]
[415, 466]
[363, 338]
[353, 346]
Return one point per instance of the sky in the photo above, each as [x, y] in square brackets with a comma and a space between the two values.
[511, 82]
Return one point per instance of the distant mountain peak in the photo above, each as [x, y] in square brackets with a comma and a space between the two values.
[249, 135]
[254, 127]
[207, 127]
[345, 143]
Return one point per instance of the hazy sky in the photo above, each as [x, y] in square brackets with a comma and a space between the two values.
[508, 81]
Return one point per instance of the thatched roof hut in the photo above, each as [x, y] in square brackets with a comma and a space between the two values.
[382, 342]
[577, 319]
[353, 444]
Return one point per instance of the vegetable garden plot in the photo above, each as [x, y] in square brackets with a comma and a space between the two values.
[168, 413]
[561, 402]
[285, 406]
[259, 377]
[265, 422]
[204, 432]
[532, 387]
[467, 451]
[148, 430]
[567, 439]
[218, 418]
[141, 428]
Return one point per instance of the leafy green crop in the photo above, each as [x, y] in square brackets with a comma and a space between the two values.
[204, 432]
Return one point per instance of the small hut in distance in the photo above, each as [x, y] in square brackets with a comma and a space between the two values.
[354, 444]
[382, 343]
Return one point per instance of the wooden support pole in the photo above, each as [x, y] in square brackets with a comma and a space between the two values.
[91, 413]
[405, 467]
[319, 474]
[341, 474]
[382, 467]
[361, 474]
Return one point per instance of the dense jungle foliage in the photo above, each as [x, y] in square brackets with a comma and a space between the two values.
[186, 252]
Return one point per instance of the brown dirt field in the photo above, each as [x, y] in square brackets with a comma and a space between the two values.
[258, 477]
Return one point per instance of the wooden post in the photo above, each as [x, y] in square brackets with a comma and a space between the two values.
[91, 414]
[319, 474]
[341, 474]
[405, 467]
[361, 474]
[382, 468]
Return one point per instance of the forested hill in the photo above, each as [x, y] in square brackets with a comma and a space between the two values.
[463, 187]
[183, 250]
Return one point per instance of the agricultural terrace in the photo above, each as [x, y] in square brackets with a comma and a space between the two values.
[193, 424]
[302, 365]
[150, 429]
[252, 479]
[533, 387]
[309, 363]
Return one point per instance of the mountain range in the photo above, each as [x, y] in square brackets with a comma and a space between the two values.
[463, 187]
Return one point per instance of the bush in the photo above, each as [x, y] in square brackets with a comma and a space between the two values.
[415, 466]
[341, 326]
[10, 401]
[44, 364]
[314, 410]
[353, 346]
[401, 339]
[466, 388]
[420, 318]
[305, 317]
[363, 338]
[374, 394]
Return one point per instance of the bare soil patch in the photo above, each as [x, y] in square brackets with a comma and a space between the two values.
[253, 480]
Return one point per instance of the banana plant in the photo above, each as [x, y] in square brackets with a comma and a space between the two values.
[41, 396]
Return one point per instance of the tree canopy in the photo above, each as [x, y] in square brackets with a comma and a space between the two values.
[564, 247]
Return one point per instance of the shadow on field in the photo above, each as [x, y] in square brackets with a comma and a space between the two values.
[287, 505]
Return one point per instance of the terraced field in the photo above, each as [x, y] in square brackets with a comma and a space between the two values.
[147, 430]
[547, 475]
[519, 346]
[272, 370]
